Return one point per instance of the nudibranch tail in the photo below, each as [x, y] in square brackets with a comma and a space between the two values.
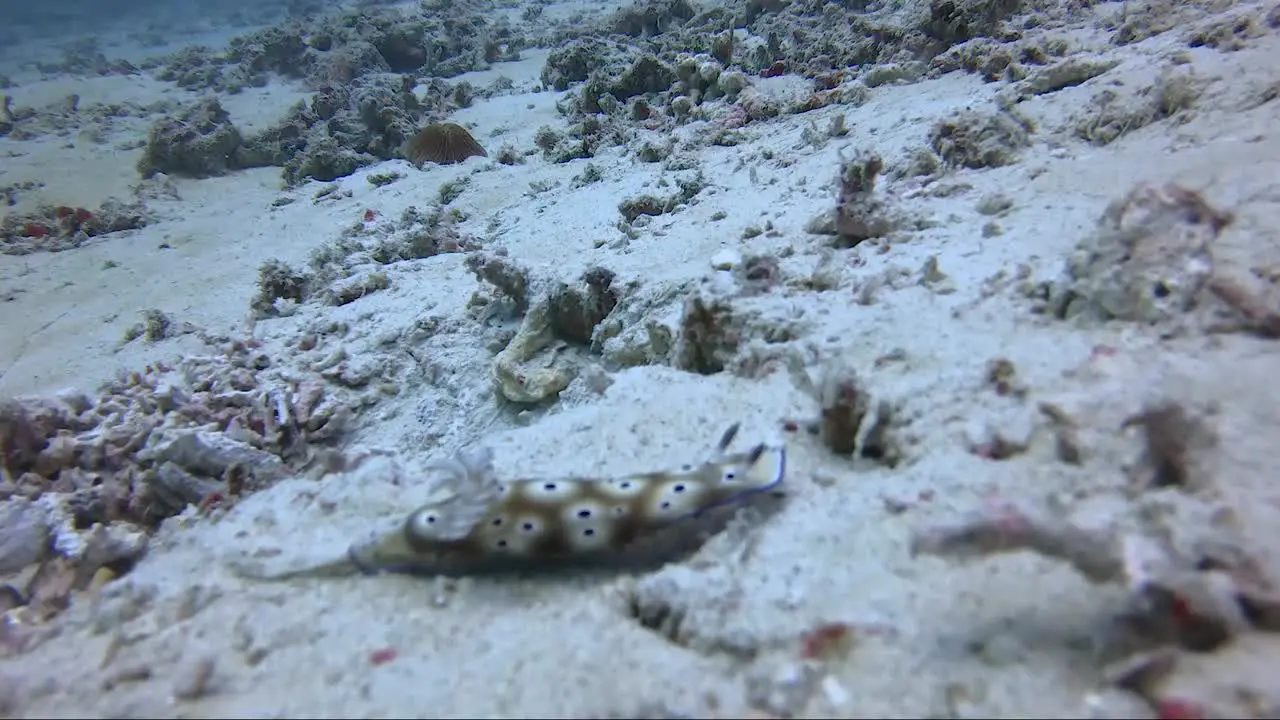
[529, 522]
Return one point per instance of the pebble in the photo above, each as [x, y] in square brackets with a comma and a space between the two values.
[822, 478]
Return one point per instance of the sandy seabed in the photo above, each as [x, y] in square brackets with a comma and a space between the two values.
[1067, 350]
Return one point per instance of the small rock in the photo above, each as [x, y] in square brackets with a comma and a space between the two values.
[169, 396]
[24, 535]
[112, 544]
[822, 478]
[208, 453]
[596, 379]
[355, 372]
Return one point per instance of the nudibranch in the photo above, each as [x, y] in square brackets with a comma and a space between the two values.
[539, 524]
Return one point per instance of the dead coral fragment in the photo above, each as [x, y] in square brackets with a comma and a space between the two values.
[633, 208]
[980, 140]
[1171, 435]
[157, 325]
[710, 334]
[575, 312]
[278, 281]
[500, 272]
[1001, 528]
[758, 274]
[359, 286]
[1256, 313]
[843, 408]
[848, 421]
[1111, 115]
[199, 141]
[56, 228]
[22, 437]
[1064, 74]
[1196, 603]
[422, 235]
[73, 560]
[135, 453]
[1235, 681]
[522, 384]
[652, 205]
[955, 21]
[859, 214]
[1002, 375]
[442, 144]
[1149, 260]
[563, 314]
[86, 479]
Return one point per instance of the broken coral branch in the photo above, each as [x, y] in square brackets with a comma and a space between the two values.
[1185, 602]
[1255, 315]
[1001, 527]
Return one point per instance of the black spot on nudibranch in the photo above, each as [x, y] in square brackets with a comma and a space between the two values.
[497, 521]
[588, 532]
[678, 488]
[625, 485]
[527, 527]
[548, 486]
[584, 513]
[666, 506]
[502, 543]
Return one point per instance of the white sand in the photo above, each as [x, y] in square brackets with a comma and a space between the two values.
[1012, 636]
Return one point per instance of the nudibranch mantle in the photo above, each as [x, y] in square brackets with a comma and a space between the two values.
[530, 523]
